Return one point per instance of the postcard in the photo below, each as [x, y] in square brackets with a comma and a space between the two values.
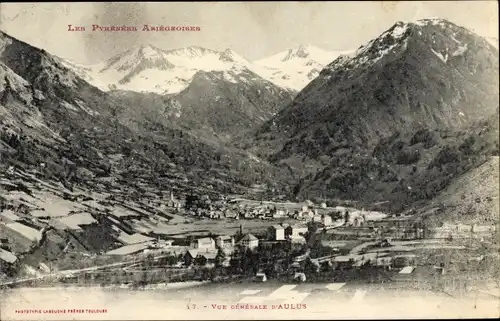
[249, 160]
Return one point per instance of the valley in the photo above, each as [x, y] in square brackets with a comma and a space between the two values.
[192, 166]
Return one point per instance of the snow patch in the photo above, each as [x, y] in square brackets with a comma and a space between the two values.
[460, 51]
[229, 77]
[443, 58]
[399, 31]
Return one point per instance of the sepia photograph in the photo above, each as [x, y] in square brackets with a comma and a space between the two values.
[249, 160]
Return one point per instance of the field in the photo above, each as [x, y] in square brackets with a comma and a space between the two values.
[198, 227]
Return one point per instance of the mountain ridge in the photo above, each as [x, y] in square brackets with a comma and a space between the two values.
[431, 75]
[134, 69]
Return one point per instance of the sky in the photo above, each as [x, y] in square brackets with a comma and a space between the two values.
[253, 29]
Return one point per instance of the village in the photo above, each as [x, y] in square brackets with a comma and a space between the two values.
[49, 233]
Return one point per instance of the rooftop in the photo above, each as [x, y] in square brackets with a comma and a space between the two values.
[249, 237]
[407, 270]
[205, 240]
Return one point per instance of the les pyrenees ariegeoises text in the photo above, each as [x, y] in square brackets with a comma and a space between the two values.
[145, 27]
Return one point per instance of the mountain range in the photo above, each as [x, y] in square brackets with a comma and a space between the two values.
[394, 122]
[148, 68]
[215, 93]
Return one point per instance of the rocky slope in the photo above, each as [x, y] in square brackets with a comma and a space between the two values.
[55, 121]
[217, 103]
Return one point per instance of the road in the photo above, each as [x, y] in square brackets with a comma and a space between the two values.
[66, 273]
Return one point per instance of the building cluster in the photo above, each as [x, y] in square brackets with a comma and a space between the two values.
[222, 208]
[294, 233]
[205, 250]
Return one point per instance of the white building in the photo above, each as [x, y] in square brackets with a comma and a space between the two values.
[326, 220]
[224, 241]
[249, 241]
[278, 232]
[206, 243]
[317, 218]
[297, 230]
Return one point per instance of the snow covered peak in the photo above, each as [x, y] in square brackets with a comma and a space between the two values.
[191, 52]
[229, 55]
[299, 54]
[147, 68]
[390, 41]
[443, 38]
[294, 68]
[433, 22]
[149, 51]
[138, 57]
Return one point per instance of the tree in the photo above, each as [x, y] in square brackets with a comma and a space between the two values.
[149, 260]
[249, 262]
[346, 217]
[188, 260]
[310, 268]
[220, 257]
[200, 260]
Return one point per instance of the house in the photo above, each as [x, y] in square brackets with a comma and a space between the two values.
[407, 273]
[249, 241]
[202, 258]
[358, 221]
[326, 220]
[216, 214]
[248, 215]
[260, 277]
[163, 243]
[317, 218]
[224, 241]
[205, 243]
[206, 259]
[297, 239]
[308, 213]
[309, 203]
[296, 230]
[280, 212]
[190, 256]
[277, 232]
[230, 214]
[385, 262]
